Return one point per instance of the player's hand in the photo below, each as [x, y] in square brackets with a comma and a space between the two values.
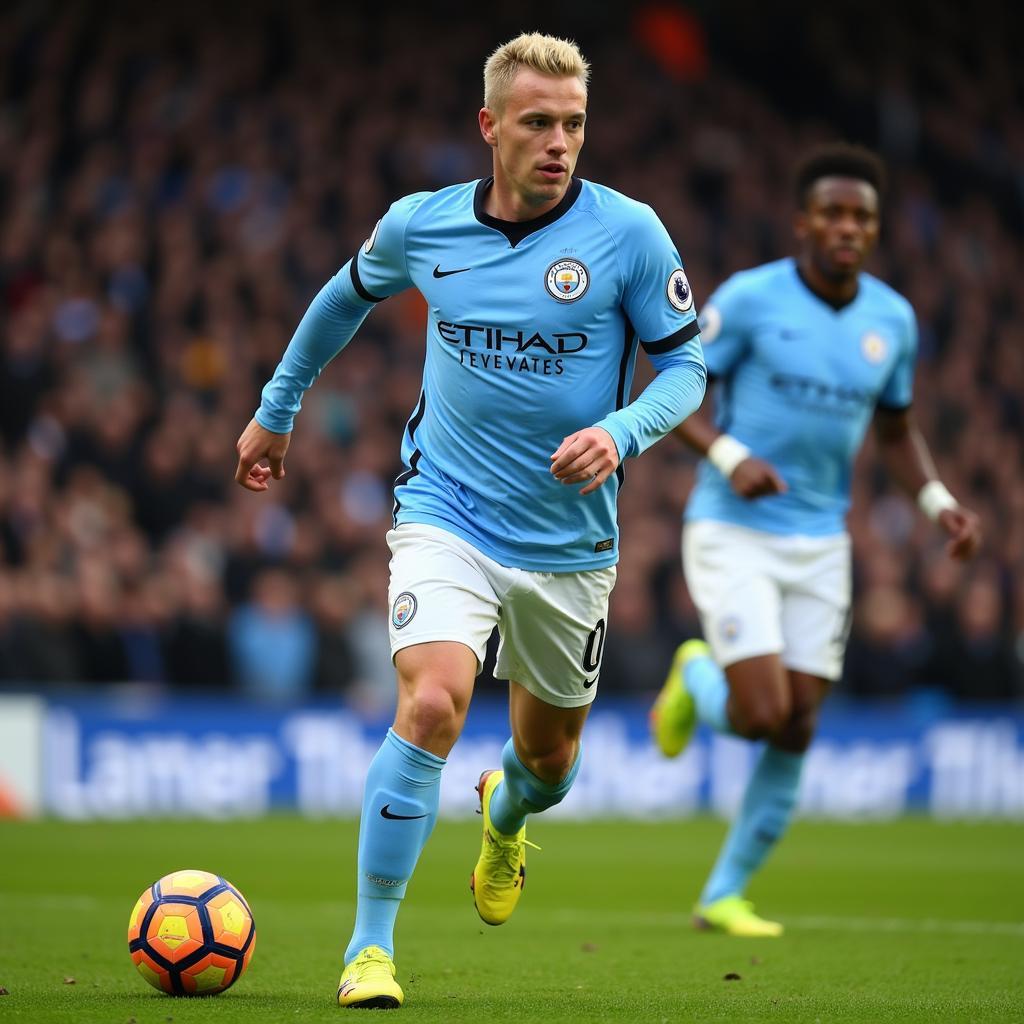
[588, 455]
[256, 444]
[963, 527]
[754, 478]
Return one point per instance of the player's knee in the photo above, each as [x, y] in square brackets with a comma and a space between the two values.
[760, 718]
[432, 716]
[550, 764]
[796, 735]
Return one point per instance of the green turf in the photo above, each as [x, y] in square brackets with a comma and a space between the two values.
[911, 921]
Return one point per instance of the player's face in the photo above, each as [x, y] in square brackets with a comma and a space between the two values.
[536, 137]
[839, 225]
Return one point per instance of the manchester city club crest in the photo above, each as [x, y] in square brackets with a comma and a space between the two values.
[873, 347]
[680, 294]
[403, 610]
[567, 280]
[729, 629]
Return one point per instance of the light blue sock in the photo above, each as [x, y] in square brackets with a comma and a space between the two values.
[521, 793]
[400, 802]
[709, 688]
[762, 821]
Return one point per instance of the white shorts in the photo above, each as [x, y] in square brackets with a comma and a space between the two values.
[552, 625]
[763, 593]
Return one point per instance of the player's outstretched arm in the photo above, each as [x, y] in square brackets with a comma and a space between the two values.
[325, 329]
[749, 476]
[907, 459]
[256, 444]
[754, 478]
[676, 391]
[963, 527]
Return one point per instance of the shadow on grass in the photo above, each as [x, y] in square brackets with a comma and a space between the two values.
[95, 998]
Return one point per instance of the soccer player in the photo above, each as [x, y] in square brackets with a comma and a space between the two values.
[805, 353]
[539, 287]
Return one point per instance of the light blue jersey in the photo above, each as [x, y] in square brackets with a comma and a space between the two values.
[532, 335]
[797, 382]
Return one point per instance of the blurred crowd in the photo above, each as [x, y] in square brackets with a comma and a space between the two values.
[175, 186]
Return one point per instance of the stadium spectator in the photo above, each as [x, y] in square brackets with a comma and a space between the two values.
[889, 649]
[272, 641]
[196, 651]
[982, 662]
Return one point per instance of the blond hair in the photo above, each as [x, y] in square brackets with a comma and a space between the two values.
[546, 54]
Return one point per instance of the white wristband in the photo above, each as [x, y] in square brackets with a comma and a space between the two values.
[725, 453]
[933, 498]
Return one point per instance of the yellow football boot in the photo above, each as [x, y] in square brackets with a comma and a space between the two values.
[500, 873]
[674, 714]
[368, 982]
[734, 915]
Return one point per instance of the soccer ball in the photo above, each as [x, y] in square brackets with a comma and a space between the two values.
[191, 934]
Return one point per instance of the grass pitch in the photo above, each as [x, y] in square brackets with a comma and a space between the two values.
[909, 921]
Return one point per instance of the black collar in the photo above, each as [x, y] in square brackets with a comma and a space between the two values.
[837, 306]
[516, 230]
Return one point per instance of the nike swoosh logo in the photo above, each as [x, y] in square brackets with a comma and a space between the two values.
[588, 683]
[385, 813]
[438, 272]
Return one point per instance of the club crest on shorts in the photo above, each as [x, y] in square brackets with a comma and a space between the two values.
[403, 609]
[873, 347]
[680, 294]
[729, 629]
[567, 280]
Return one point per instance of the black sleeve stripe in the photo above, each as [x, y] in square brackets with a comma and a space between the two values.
[673, 341]
[628, 351]
[892, 408]
[358, 284]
